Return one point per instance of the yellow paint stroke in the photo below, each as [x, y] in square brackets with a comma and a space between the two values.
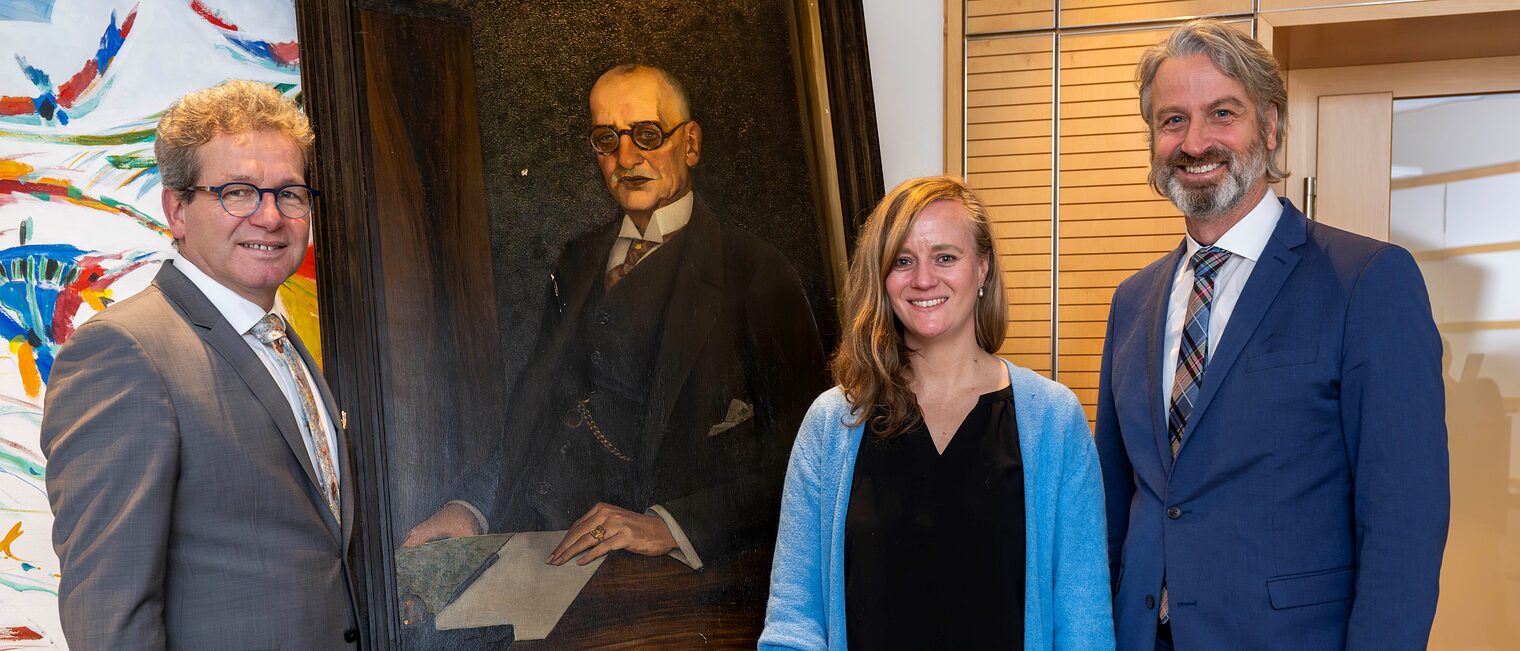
[13, 168]
[26, 363]
[299, 294]
[93, 297]
[5, 543]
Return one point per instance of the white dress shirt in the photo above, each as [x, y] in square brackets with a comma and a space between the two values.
[243, 314]
[665, 222]
[1245, 241]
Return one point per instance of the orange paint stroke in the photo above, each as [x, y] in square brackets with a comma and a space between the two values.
[26, 362]
[5, 543]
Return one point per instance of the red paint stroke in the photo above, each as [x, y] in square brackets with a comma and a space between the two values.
[92, 284]
[286, 53]
[18, 634]
[16, 105]
[309, 264]
[211, 16]
[51, 189]
[76, 85]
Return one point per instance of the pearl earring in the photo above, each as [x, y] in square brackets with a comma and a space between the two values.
[980, 292]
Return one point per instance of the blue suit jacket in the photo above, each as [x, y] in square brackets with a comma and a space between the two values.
[1307, 507]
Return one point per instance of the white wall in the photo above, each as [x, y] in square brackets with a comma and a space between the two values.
[907, 53]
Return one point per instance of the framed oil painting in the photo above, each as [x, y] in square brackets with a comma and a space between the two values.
[592, 260]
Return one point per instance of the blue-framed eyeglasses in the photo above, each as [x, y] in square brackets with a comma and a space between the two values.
[241, 200]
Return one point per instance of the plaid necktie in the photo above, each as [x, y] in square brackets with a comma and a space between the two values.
[271, 331]
[1191, 357]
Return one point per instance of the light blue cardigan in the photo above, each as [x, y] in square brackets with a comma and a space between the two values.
[1066, 590]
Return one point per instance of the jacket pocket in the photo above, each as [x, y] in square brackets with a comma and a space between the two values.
[1274, 359]
[1309, 588]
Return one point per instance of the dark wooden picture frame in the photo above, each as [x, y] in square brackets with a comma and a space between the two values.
[407, 282]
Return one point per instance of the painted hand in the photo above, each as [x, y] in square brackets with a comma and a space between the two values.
[620, 529]
[451, 521]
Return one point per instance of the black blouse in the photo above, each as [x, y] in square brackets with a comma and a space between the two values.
[934, 543]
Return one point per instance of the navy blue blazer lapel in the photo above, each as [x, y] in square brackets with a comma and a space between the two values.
[695, 297]
[1267, 279]
[227, 342]
[1155, 354]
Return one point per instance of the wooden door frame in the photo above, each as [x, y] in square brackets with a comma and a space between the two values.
[1415, 79]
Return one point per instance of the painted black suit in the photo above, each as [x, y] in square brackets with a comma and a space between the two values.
[711, 325]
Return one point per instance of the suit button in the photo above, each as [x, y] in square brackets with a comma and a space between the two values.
[1174, 513]
[1150, 601]
[604, 319]
[351, 635]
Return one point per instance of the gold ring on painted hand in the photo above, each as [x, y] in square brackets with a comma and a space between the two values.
[599, 533]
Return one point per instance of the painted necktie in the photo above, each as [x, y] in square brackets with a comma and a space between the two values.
[271, 331]
[637, 249]
[1191, 357]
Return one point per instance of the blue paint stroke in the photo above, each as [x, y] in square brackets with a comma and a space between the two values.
[28, 11]
[32, 279]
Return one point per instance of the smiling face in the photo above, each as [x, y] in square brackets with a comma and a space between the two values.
[1209, 150]
[251, 256]
[643, 181]
[933, 279]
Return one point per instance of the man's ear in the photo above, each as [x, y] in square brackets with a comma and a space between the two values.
[174, 210]
[693, 143]
[1271, 126]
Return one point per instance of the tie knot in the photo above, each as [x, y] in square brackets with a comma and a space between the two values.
[1207, 261]
[269, 328]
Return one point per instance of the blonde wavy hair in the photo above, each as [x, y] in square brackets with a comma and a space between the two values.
[232, 107]
[871, 364]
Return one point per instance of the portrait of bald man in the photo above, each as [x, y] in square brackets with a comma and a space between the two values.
[675, 360]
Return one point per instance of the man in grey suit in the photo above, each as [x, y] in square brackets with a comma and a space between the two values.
[195, 464]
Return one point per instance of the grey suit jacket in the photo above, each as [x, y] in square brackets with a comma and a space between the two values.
[188, 514]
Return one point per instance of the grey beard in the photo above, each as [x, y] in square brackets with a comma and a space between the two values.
[1210, 202]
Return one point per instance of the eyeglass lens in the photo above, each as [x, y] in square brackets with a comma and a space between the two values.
[242, 200]
[645, 135]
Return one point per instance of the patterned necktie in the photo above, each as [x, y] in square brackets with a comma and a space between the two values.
[1191, 357]
[636, 252]
[271, 331]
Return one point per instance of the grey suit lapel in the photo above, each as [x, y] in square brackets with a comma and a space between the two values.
[1159, 299]
[1267, 279]
[227, 342]
[695, 297]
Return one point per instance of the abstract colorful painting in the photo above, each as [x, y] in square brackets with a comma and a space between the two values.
[82, 84]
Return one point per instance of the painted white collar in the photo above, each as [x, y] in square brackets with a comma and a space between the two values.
[667, 219]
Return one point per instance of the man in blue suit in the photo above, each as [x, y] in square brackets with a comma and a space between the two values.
[1270, 415]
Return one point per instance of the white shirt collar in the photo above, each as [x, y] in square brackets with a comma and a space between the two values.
[240, 312]
[1248, 237]
[668, 219]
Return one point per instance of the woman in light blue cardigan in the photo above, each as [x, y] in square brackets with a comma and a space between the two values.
[925, 311]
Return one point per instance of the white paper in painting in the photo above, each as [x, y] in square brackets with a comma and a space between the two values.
[82, 83]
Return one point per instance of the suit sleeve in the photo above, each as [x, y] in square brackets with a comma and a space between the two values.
[1118, 475]
[784, 364]
[1393, 416]
[1083, 607]
[110, 435]
[795, 616]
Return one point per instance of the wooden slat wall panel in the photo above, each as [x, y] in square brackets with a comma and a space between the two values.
[993, 16]
[1076, 13]
[1111, 222]
[1009, 132]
